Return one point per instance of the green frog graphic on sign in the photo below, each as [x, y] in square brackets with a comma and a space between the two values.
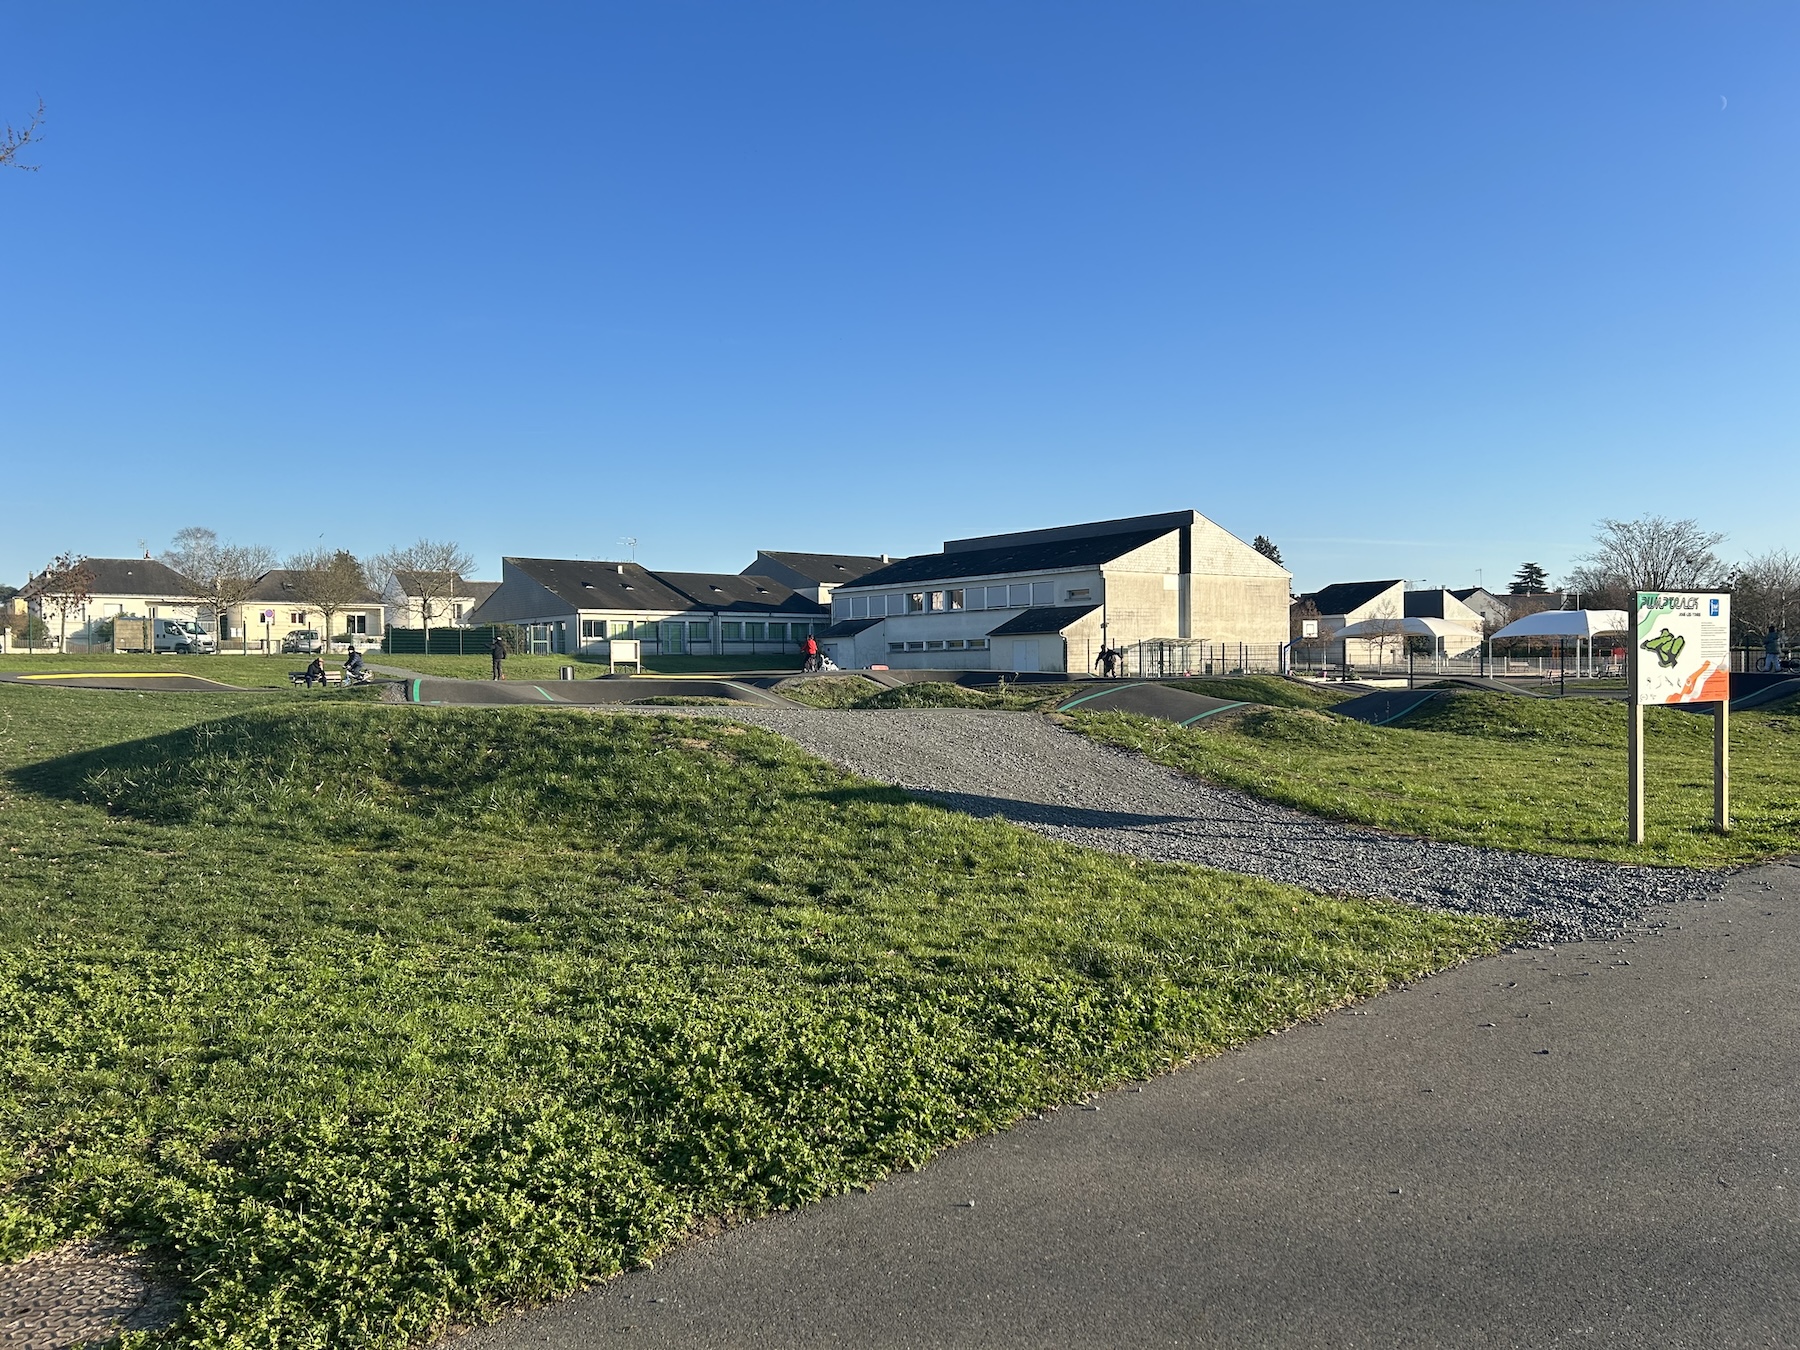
[1667, 647]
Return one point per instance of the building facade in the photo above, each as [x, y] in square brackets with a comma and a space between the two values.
[1049, 600]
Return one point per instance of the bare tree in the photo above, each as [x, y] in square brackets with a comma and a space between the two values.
[1651, 553]
[330, 581]
[1385, 627]
[430, 571]
[223, 574]
[15, 139]
[65, 585]
[1765, 591]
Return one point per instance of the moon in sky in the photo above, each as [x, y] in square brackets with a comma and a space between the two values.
[1721, 103]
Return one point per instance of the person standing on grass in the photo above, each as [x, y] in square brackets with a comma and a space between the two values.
[498, 652]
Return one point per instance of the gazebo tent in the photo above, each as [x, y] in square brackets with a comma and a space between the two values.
[1436, 629]
[1567, 623]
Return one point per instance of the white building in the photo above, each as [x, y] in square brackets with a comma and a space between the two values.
[1050, 599]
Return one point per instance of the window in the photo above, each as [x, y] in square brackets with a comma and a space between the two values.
[953, 599]
[753, 632]
[934, 601]
[1079, 593]
[699, 631]
[1043, 593]
[859, 606]
[730, 631]
[592, 628]
[673, 635]
[954, 644]
[778, 632]
[1018, 596]
[978, 644]
[297, 616]
[915, 646]
[621, 628]
[934, 646]
[456, 613]
[896, 646]
[356, 623]
[915, 602]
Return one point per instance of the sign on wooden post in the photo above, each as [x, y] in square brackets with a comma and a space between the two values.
[1680, 653]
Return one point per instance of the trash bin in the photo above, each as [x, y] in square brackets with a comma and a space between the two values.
[568, 673]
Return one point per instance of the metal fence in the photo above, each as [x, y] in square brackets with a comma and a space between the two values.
[1173, 658]
[448, 641]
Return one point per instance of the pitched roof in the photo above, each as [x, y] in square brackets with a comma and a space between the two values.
[128, 576]
[1048, 556]
[726, 591]
[279, 584]
[850, 627]
[1348, 596]
[461, 587]
[595, 585]
[1050, 619]
[478, 590]
[834, 569]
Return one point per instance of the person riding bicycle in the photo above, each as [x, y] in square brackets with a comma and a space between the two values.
[355, 671]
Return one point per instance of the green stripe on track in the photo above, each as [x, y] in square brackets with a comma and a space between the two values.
[1223, 707]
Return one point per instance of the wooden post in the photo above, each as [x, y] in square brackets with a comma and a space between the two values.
[1722, 766]
[1634, 745]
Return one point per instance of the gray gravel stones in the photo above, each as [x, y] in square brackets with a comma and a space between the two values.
[1061, 784]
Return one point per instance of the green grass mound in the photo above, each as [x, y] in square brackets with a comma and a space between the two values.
[830, 691]
[364, 1019]
[853, 691]
[1270, 690]
[1540, 775]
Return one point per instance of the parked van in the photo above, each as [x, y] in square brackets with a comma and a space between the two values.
[182, 636]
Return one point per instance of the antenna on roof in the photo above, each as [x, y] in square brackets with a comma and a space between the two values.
[630, 542]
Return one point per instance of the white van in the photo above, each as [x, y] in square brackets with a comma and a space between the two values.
[183, 636]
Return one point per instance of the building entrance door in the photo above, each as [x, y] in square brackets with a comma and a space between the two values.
[1025, 653]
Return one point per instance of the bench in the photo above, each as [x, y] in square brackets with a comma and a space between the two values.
[331, 677]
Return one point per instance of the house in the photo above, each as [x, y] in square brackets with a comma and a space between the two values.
[137, 587]
[578, 606]
[814, 575]
[1495, 610]
[278, 605]
[1051, 599]
[452, 599]
[1347, 602]
[1440, 603]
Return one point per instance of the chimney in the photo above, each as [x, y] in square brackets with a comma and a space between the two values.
[884, 557]
[621, 569]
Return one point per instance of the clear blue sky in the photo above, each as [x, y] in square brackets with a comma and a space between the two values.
[1416, 290]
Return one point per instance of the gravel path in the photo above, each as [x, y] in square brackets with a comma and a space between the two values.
[1063, 785]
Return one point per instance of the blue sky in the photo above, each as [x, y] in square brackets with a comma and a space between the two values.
[1417, 290]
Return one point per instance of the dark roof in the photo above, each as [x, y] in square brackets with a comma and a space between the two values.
[850, 627]
[1049, 556]
[129, 576]
[1347, 596]
[834, 569]
[461, 587]
[278, 584]
[726, 591]
[628, 586]
[1050, 619]
[1428, 604]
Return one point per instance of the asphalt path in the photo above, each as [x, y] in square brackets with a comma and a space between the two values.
[1597, 1145]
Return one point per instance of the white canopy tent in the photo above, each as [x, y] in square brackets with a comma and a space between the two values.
[1567, 623]
[1438, 630]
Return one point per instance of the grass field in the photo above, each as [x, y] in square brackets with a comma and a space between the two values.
[267, 672]
[1543, 775]
[523, 667]
[364, 1018]
[853, 691]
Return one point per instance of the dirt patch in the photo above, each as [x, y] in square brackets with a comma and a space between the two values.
[81, 1291]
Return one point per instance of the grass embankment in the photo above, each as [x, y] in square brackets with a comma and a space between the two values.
[1542, 775]
[256, 672]
[853, 691]
[1270, 690]
[523, 667]
[366, 1017]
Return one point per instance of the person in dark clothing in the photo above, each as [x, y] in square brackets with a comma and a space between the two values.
[498, 652]
[354, 669]
[316, 671]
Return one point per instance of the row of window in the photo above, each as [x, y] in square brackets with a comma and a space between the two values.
[695, 630]
[1014, 595]
[947, 645]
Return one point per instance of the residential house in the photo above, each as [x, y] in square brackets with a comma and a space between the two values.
[1051, 599]
[1349, 602]
[277, 606]
[1439, 603]
[451, 604]
[578, 606]
[1495, 610]
[135, 587]
[814, 575]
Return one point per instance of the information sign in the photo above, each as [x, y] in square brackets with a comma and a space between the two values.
[1684, 647]
[1680, 653]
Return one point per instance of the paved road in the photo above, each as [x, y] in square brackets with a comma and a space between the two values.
[1596, 1146]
